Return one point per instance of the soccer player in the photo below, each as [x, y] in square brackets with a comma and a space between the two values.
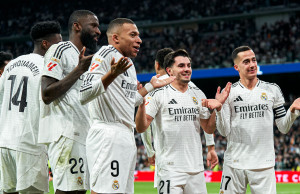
[64, 121]
[246, 119]
[111, 89]
[23, 161]
[212, 158]
[177, 112]
[5, 58]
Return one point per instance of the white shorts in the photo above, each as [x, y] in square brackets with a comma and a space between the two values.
[111, 153]
[235, 181]
[180, 183]
[69, 165]
[22, 172]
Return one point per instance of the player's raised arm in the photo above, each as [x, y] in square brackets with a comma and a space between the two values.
[53, 88]
[285, 119]
[209, 125]
[102, 72]
[155, 83]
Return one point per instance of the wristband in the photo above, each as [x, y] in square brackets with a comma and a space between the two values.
[149, 87]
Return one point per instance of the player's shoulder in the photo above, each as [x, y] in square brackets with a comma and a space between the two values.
[106, 51]
[237, 85]
[60, 49]
[159, 91]
[271, 87]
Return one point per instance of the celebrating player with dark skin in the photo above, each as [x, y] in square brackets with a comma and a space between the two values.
[64, 122]
[24, 162]
[112, 92]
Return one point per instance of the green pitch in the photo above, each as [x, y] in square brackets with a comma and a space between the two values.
[212, 188]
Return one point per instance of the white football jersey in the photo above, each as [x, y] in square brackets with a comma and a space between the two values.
[117, 103]
[147, 137]
[177, 123]
[64, 116]
[20, 89]
[246, 119]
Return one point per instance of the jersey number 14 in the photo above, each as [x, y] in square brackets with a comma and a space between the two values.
[22, 103]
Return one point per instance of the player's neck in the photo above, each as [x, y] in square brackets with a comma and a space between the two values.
[249, 83]
[181, 87]
[76, 41]
[38, 51]
[161, 72]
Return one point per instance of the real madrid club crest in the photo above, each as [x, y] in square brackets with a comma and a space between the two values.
[115, 185]
[221, 192]
[195, 100]
[79, 181]
[264, 96]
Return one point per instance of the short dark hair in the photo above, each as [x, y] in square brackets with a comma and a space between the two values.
[160, 55]
[44, 30]
[76, 15]
[169, 59]
[118, 22]
[5, 56]
[238, 50]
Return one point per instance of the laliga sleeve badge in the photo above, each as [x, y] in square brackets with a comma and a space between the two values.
[94, 66]
[79, 181]
[221, 192]
[51, 65]
[264, 96]
[115, 185]
[195, 101]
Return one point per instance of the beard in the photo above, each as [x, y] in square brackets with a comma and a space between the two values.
[88, 40]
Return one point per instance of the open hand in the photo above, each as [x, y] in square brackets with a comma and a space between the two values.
[221, 97]
[157, 83]
[120, 67]
[84, 61]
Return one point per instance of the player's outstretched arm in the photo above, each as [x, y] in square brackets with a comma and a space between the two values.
[98, 78]
[209, 125]
[285, 122]
[155, 83]
[212, 158]
[142, 120]
[221, 97]
[295, 106]
[53, 88]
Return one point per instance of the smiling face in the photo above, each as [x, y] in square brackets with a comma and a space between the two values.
[181, 69]
[90, 32]
[246, 65]
[127, 40]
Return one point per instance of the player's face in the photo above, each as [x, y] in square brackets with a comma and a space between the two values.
[129, 40]
[90, 32]
[181, 69]
[246, 65]
[2, 69]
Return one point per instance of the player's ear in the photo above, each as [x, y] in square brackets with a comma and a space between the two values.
[169, 71]
[44, 44]
[76, 26]
[236, 67]
[115, 38]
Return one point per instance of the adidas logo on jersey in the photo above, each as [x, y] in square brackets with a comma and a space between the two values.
[173, 102]
[238, 99]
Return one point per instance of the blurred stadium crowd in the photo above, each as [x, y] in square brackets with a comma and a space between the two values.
[209, 44]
